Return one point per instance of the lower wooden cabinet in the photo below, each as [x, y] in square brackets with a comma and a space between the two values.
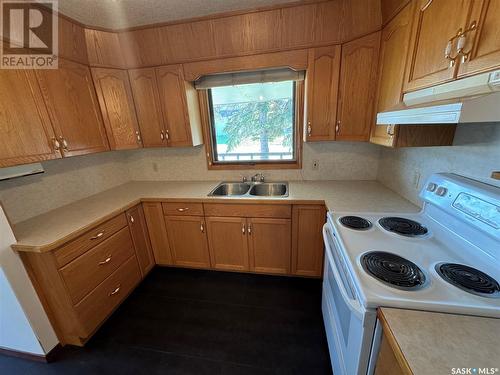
[307, 240]
[157, 232]
[140, 239]
[269, 244]
[227, 239]
[188, 241]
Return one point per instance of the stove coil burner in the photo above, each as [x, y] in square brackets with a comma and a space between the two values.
[394, 270]
[469, 279]
[355, 222]
[402, 226]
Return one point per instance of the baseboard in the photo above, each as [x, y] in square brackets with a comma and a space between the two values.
[49, 357]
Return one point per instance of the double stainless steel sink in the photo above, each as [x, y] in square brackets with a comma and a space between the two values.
[250, 189]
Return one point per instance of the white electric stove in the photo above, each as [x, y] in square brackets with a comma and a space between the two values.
[445, 258]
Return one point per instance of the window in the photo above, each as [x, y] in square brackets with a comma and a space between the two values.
[253, 123]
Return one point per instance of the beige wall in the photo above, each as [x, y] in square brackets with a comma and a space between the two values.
[76, 178]
[476, 153]
[64, 181]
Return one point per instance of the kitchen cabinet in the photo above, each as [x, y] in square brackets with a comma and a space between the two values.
[393, 51]
[484, 42]
[434, 24]
[180, 107]
[227, 239]
[307, 240]
[140, 239]
[25, 128]
[387, 362]
[188, 241]
[148, 107]
[358, 83]
[72, 104]
[322, 82]
[117, 107]
[269, 245]
[157, 232]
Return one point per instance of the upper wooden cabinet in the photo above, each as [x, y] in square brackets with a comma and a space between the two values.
[393, 50]
[483, 43]
[72, 103]
[358, 83]
[435, 22]
[322, 82]
[180, 107]
[117, 106]
[148, 107]
[25, 130]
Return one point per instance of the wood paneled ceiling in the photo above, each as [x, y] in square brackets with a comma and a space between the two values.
[120, 14]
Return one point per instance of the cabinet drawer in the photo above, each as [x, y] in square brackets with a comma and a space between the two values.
[182, 208]
[80, 245]
[248, 210]
[96, 306]
[87, 271]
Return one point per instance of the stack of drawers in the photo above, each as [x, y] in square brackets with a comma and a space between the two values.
[84, 280]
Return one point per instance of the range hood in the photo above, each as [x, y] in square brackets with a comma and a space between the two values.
[469, 100]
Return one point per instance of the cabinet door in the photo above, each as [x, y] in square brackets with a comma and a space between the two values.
[147, 105]
[140, 238]
[157, 232]
[322, 84]
[484, 44]
[434, 23]
[174, 105]
[117, 106]
[227, 240]
[358, 84]
[307, 240]
[26, 133]
[393, 52]
[188, 241]
[269, 242]
[72, 103]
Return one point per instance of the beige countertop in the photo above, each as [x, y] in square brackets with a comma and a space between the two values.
[47, 231]
[436, 343]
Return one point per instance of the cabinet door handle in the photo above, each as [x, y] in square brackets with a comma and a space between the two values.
[167, 135]
[64, 143]
[132, 220]
[57, 145]
[462, 40]
[337, 128]
[162, 135]
[97, 236]
[116, 291]
[249, 228]
[390, 130]
[138, 135]
[243, 229]
[309, 129]
[105, 261]
[202, 227]
[183, 209]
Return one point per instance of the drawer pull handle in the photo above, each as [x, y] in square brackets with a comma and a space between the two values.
[132, 219]
[105, 261]
[183, 209]
[97, 236]
[116, 291]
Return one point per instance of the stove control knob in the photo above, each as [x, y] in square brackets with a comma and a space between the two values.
[431, 187]
[441, 191]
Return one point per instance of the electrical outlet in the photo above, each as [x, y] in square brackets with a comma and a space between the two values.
[155, 167]
[315, 165]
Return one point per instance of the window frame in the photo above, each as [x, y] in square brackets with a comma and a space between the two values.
[209, 137]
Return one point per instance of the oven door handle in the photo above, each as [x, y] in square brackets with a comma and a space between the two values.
[352, 303]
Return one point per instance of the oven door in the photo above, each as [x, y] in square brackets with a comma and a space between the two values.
[349, 326]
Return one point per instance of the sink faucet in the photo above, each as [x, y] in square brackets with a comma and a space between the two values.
[259, 177]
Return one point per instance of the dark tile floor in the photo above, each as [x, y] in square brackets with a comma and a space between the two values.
[203, 322]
